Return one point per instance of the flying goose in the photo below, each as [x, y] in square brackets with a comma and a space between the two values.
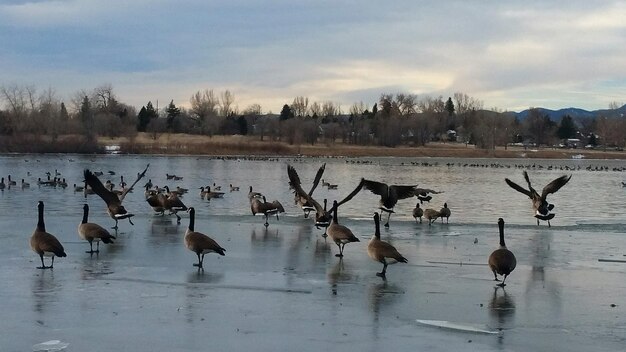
[339, 233]
[418, 212]
[91, 232]
[422, 194]
[389, 195]
[502, 261]
[445, 213]
[266, 208]
[543, 210]
[115, 209]
[379, 250]
[323, 217]
[200, 243]
[44, 243]
[303, 200]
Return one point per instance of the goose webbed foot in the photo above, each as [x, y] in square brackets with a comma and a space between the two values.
[92, 251]
[339, 255]
[382, 275]
[387, 225]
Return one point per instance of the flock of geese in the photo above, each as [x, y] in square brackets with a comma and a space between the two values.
[501, 262]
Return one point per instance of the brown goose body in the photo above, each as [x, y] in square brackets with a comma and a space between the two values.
[266, 208]
[431, 215]
[340, 234]
[93, 232]
[380, 250]
[198, 242]
[43, 243]
[445, 213]
[418, 212]
[502, 261]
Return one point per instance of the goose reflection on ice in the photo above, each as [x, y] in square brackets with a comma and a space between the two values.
[44, 290]
[501, 309]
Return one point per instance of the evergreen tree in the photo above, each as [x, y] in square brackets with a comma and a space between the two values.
[375, 109]
[86, 118]
[142, 119]
[243, 125]
[566, 129]
[172, 112]
[64, 116]
[449, 107]
[286, 113]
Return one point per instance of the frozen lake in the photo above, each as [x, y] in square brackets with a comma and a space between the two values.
[282, 288]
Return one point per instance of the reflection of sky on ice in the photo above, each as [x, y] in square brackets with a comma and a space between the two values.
[282, 286]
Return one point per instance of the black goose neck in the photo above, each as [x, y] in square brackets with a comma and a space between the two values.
[41, 225]
[192, 219]
[501, 228]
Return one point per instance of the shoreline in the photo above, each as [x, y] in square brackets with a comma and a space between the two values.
[233, 146]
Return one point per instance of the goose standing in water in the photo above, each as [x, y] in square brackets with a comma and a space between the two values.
[115, 209]
[25, 184]
[543, 209]
[389, 195]
[198, 242]
[502, 261]
[44, 243]
[340, 234]
[380, 250]
[93, 232]
[234, 188]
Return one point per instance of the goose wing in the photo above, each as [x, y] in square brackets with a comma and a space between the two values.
[98, 188]
[517, 187]
[376, 187]
[318, 176]
[129, 189]
[356, 190]
[294, 182]
[555, 185]
[403, 192]
[425, 191]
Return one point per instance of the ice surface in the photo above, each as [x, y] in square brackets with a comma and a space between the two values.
[50, 346]
[282, 286]
[477, 328]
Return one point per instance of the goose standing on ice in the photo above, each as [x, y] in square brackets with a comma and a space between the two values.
[380, 250]
[340, 234]
[198, 242]
[502, 261]
[91, 232]
[44, 243]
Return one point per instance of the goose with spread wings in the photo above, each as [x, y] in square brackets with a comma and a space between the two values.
[323, 217]
[389, 195]
[302, 199]
[115, 209]
[543, 209]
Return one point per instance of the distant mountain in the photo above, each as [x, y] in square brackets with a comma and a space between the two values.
[575, 113]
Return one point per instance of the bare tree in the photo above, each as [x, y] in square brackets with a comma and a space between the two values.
[406, 103]
[203, 107]
[357, 109]
[103, 97]
[300, 106]
[464, 103]
[253, 109]
[316, 109]
[226, 101]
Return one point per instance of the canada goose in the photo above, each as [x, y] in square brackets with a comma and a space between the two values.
[543, 210]
[266, 208]
[173, 204]
[44, 243]
[445, 213]
[418, 212]
[389, 195]
[216, 187]
[502, 261]
[122, 183]
[115, 209]
[148, 184]
[202, 192]
[200, 243]
[303, 200]
[93, 232]
[431, 215]
[379, 250]
[339, 233]
[149, 192]
[234, 188]
[623, 184]
[62, 183]
[422, 194]
[2, 184]
[210, 194]
[323, 217]
[11, 182]
[328, 185]
[157, 201]
[78, 188]
[25, 184]
[169, 177]
[252, 195]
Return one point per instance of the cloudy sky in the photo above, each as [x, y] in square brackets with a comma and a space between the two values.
[510, 54]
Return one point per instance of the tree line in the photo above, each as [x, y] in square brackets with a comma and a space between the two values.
[393, 120]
